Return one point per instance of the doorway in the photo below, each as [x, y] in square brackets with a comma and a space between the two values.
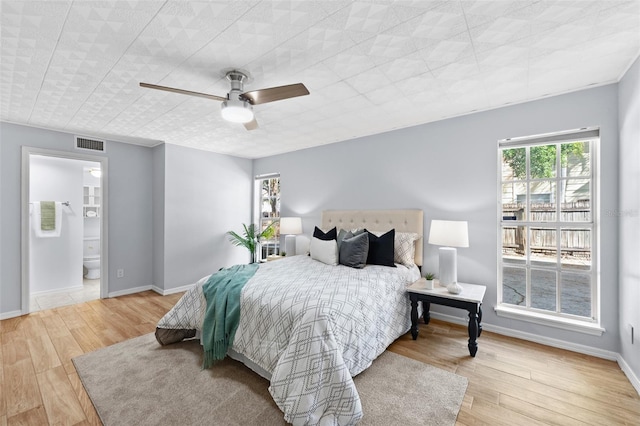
[64, 259]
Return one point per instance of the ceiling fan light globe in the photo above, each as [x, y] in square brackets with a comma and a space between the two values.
[237, 111]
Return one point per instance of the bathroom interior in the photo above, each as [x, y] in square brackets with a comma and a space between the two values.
[64, 264]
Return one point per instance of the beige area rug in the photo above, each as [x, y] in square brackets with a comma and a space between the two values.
[140, 382]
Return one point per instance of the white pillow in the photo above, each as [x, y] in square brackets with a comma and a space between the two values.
[404, 248]
[324, 251]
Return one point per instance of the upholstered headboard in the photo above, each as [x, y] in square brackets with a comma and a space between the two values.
[379, 220]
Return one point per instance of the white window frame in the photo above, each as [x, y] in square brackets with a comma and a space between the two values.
[540, 316]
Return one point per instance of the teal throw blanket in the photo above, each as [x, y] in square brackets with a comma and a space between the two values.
[222, 316]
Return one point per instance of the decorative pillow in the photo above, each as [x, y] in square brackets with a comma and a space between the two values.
[325, 251]
[329, 235]
[343, 234]
[404, 250]
[381, 249]
[354, 250]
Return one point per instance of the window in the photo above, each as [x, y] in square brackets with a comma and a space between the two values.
[547, 259]
[267, 192]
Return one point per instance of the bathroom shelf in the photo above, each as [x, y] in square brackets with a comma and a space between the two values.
[91, 201]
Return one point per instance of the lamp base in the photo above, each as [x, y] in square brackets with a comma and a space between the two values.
[290, 245]
[447, 263]
[454, 288]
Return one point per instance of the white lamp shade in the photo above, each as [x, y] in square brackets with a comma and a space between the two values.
[449, 233]
[290, 225]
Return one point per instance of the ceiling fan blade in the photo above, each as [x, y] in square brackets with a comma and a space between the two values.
[182, 91]
[262, 96]
[251, 125]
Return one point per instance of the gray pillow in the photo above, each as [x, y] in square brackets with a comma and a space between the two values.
[354, 250]
[347, 234]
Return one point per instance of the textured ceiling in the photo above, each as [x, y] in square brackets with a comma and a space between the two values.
[371, 66]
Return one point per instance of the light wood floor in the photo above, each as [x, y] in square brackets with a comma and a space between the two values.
[511, 382]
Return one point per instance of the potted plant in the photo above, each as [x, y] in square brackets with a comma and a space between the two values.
[250, 238]
[429, 276]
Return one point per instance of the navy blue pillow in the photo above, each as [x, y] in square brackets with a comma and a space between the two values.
[332, 234]
[381, 249]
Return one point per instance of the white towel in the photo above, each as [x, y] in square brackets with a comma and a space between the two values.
[36, 219]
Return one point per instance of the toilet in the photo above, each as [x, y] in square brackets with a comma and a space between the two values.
[91, 257]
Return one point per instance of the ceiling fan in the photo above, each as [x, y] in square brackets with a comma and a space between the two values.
[237, 106]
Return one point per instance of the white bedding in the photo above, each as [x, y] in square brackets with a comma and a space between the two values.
[312, 327]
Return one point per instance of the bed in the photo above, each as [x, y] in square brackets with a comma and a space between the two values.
[310, 327]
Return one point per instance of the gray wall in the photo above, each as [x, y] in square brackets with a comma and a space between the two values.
[158, 215]
[169, 210]
[130, 209]
[448, 168]
[205, 195]
[629, 214]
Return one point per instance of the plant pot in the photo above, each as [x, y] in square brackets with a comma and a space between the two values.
[429, 284]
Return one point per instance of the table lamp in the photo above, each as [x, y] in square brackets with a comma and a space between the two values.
[450, 234]
[290, 227]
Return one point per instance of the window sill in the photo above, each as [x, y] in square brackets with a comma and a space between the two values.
[550, 320]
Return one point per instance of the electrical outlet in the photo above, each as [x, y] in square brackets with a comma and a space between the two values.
[120, 273]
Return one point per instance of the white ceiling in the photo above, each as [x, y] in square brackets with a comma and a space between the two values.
[371, 66]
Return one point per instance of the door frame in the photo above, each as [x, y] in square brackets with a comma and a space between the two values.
[27, 152]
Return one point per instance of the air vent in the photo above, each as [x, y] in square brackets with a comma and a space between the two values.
[89, 144]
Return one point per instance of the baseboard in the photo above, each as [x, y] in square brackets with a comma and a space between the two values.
[561, 344]
[57, 290]
[12, 314]
[129, 291]
[635, 382]
[174, 290]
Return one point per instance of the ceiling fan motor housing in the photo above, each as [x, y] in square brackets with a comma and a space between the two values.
[236, 109]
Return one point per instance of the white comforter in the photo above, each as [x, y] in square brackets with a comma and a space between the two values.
[313, 327]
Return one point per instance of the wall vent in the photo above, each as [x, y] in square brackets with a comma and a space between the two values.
[89, 144]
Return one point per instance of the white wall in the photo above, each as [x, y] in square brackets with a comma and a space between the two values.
[448, 169]
[205, 195]
[130, 229]
[56, 263]
[629, 214]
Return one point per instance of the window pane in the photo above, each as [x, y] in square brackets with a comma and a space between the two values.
[576, 159]
[542, 161]
[575, 293]
[514, 201]
[271, 198]
[514, 164]
[542, 198]
[269, 213]
[514, 286]
[576, 200]
[543, 289]
[543, 247]
[576, 249]
[547, 225]
[514, 244]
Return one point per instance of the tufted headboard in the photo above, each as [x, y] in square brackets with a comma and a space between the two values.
[379, 220]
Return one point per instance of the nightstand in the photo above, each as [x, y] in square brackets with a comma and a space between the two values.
[470, 299]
